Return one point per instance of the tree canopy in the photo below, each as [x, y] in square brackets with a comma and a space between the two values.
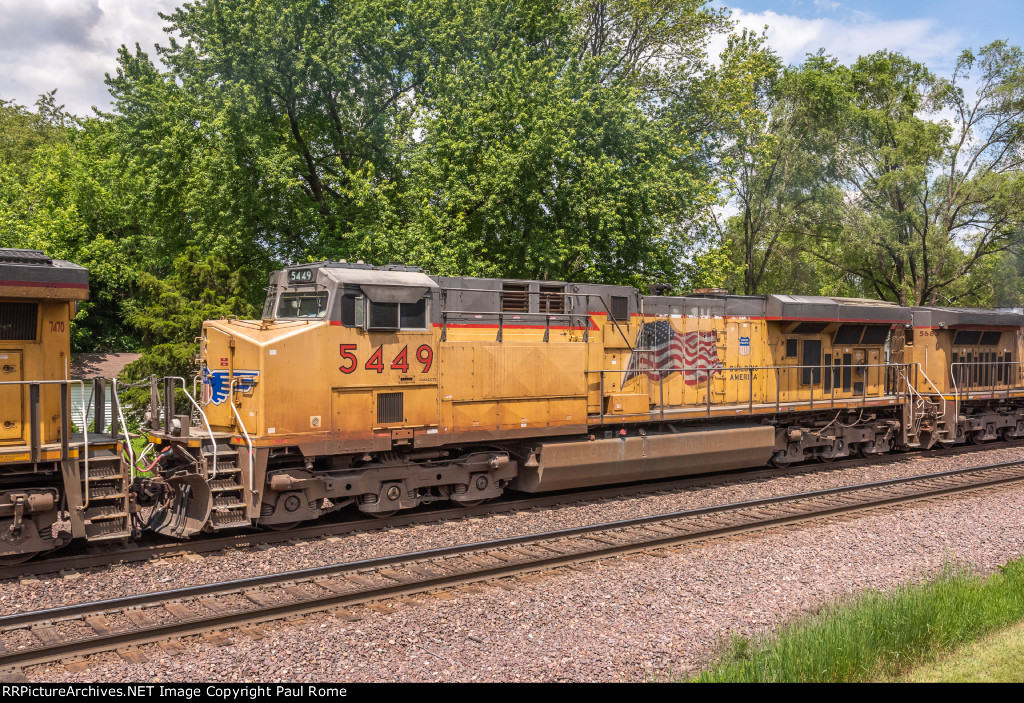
[576, 140]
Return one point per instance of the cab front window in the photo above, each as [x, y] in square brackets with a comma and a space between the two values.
[302, 305]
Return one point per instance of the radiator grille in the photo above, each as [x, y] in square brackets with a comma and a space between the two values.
[552, 299]
[390, 407]
[515, 297]
[18, 321]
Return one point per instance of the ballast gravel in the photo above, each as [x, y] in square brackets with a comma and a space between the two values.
[627, 619]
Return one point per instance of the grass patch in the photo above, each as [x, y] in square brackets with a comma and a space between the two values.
[880, 635]
[998, 658]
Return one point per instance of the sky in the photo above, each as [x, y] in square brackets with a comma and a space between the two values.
[70, 44]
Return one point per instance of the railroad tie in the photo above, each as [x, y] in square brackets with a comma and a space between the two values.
[99, 624]
[133, 655]
[47, 635]
[179, 611]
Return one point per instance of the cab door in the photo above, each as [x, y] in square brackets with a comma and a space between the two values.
[11, 397]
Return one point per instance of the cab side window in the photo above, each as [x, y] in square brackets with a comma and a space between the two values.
[394, 316]
[352, 306]
[413, 316]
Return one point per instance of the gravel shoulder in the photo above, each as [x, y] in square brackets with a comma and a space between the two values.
[621, 619]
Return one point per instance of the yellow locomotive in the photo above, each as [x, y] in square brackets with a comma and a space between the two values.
[56, 483]
[387, 388]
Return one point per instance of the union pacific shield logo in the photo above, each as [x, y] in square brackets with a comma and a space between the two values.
[217, 384]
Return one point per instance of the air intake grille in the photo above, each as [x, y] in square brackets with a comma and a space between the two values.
[390, 407]
[18, 321]
[24, 256]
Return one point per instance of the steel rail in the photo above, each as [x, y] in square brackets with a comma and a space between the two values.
[607, 536]
[106, 555]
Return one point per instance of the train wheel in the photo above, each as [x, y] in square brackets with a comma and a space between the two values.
[15, 559]
[467, 503]
[283, 526]
[385, 514]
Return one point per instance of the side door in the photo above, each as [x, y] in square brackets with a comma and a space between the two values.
[11, 397]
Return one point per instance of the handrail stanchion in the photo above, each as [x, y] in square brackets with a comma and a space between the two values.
[65, 422]
[245, 433]
[209, 430]
[85, 440]
[33, 419]
[707, 392]
[778, 390]
[750, 396]
[124, 431]
[810, 370]
[661, 395]
[99, 411]
[832, 385]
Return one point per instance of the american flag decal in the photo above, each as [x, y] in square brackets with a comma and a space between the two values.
[660, 351]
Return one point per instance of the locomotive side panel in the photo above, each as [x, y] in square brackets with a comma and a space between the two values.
[507, 386]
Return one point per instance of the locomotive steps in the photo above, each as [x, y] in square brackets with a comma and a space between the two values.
[156, 617]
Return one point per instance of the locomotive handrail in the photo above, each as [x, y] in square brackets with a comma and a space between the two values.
[33, 429]
[663, 371]
[1007, 385]
[124, 431]
[245, 433]
[783, 367]
[914, 392]
[206, 422]
[501, 315]
[495, 313]
[932, 384]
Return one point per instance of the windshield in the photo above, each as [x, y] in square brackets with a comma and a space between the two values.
[309, 304]
[268, 304]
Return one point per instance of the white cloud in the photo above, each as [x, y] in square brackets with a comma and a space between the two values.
[858, 34]
[70, 44]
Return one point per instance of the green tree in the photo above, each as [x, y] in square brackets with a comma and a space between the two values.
[930, 200]
[61, 191]
[540, 138]
[785, 152]
[545, 157]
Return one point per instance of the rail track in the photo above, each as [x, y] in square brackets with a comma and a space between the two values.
[92, 556]
[56, 634]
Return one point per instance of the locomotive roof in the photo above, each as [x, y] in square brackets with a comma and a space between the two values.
[965, 317]
[781, 307]
[29, 273]
[823, 309]
[400, 283]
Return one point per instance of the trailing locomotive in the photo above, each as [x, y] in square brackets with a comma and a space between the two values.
[386, 388]
[56, 483]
